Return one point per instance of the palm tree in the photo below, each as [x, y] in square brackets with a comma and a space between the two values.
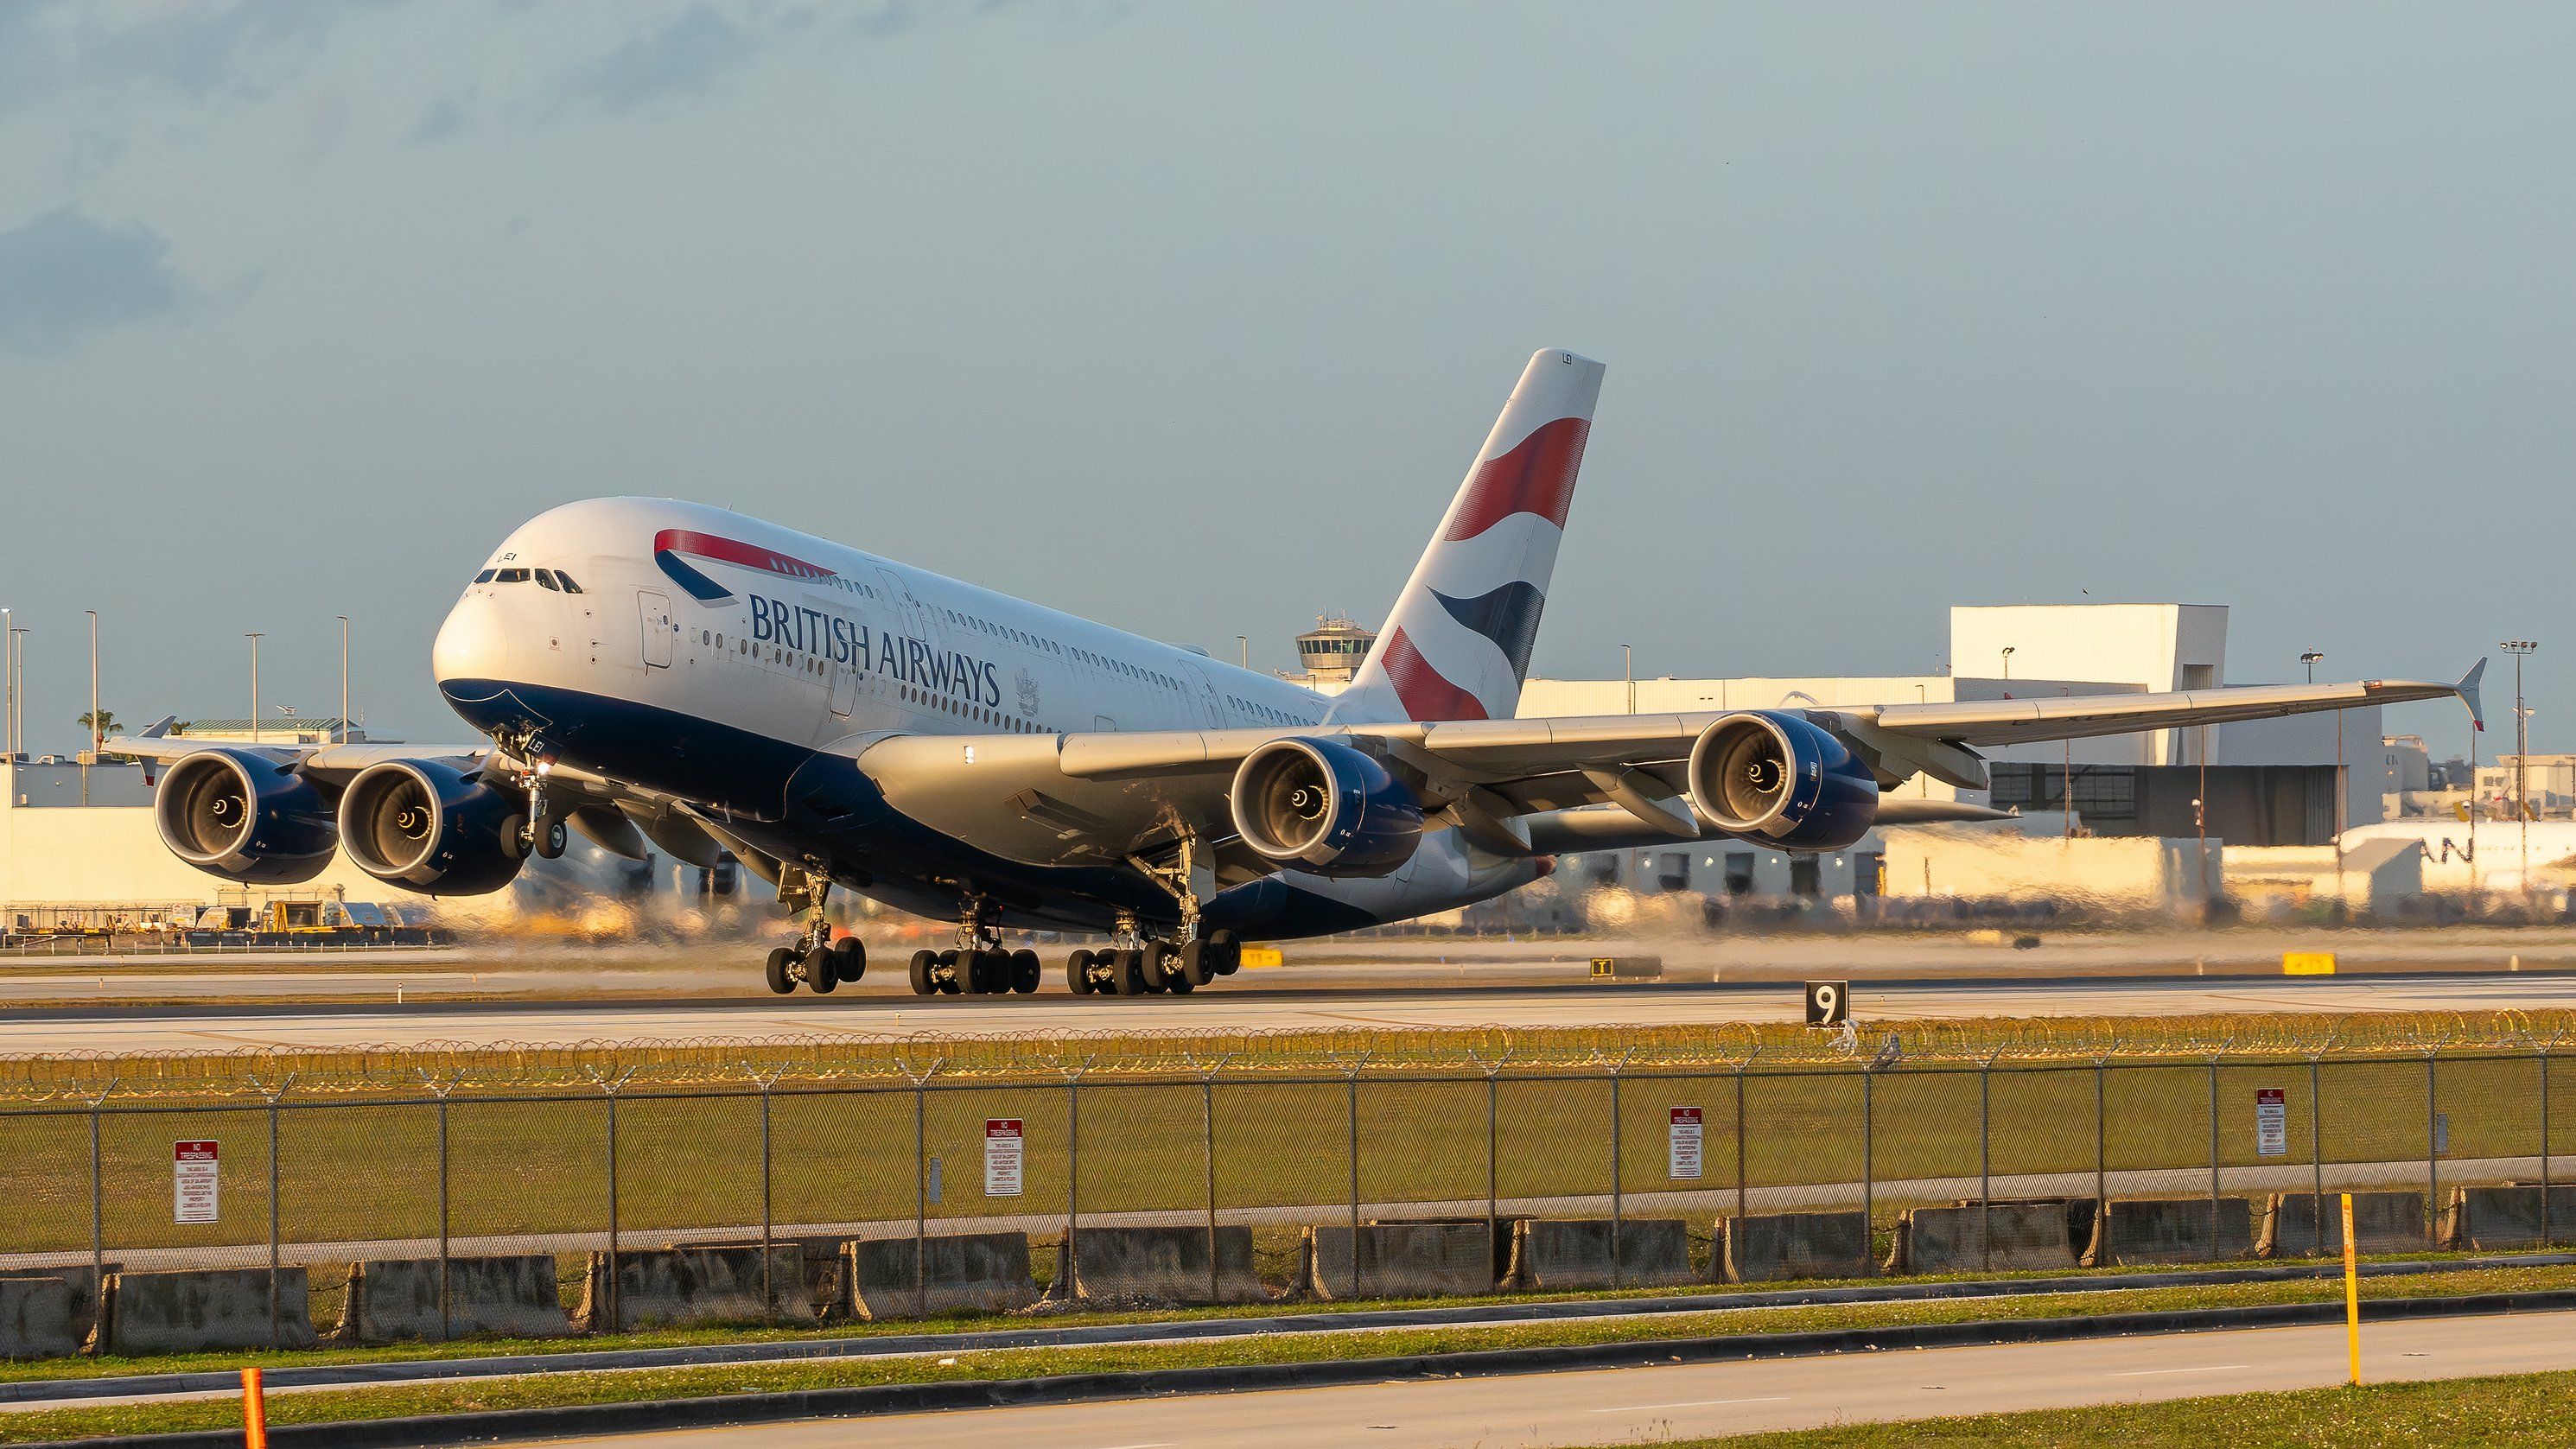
[103, 727]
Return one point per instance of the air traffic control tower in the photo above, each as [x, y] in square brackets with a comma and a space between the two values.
[1330, 653]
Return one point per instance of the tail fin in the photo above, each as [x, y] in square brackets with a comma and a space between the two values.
[1457, 644]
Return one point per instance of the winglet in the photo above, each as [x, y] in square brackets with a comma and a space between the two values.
[2468, 692]
[160, 728]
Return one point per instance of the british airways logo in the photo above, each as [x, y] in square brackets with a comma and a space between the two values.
[809, 630]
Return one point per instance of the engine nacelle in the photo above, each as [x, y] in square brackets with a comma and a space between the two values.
[425, 825]
[1321, 806]
[1771, 776]
[244, 817]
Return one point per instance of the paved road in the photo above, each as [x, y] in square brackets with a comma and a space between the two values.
[1686, 1401]
[1240, 1004]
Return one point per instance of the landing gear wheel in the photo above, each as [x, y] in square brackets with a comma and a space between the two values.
[819, 972]
[551, 840]
[849, 958]
[1024, 972]
[924, 983]
[1226, 952]
[1077, 973]
[1129, 967]
[984, 972]
[1194, 963]
[781, 961]
[949, 969]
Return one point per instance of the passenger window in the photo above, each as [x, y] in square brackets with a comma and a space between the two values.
[485, 577]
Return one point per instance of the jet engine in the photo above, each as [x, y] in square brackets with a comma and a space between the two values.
[1321, 806]
[244, 817]
[433, 828]
[1771, 776]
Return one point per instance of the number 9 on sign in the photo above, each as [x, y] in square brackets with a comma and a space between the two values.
[1828, 1003]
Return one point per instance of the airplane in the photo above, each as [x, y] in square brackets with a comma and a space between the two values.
[654, 673]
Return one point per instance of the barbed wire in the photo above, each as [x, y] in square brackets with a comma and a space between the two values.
[733, 1063]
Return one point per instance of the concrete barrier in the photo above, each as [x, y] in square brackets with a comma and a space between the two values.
[395, 1300]
[1159, 1265]
[959, 1272]
[81, 1284]
[205, 1308]
[1549, 1254]
[1398, 1260]
[40, 1317]
[2301, 1224]
[2172, 1230]
[2006, 1237]
[684, 1287]
[1766, 1248]
[2487, 1219]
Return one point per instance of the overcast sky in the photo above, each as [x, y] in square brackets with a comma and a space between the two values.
[1189, 317]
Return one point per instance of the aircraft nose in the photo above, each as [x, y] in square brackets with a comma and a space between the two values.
[471, 645]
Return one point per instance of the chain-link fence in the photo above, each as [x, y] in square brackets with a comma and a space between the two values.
[291, 1177]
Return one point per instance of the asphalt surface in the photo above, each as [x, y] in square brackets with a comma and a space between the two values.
[1701, 1400]
[1236, 1005]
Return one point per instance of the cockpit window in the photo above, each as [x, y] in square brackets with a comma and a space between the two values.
[565, 579]
[485, 577]
[511, 576]
[545, 578]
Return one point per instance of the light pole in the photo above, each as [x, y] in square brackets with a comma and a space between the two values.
[1628, 671]
[2521, 755]
[95, 735]
[1243, 650]
[254, 686]
[9, 682]
[2008, 653]
[2342, 787]
[2310, 659]
[344, 679]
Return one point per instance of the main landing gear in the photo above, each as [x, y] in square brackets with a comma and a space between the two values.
[1150, 967]
[979, 965]
[816, 960]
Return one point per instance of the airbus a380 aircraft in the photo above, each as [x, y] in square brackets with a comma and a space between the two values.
[655, 673]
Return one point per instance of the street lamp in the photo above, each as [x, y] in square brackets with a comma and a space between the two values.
[2521, 755]
[2008, 653]
[1628, 671]
[344, 678]
[254, 686]
[2311, 659]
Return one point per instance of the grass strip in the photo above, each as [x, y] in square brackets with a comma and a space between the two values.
[2509, 1409]
[340, 1406]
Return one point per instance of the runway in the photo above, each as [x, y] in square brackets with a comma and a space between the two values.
[1241, 1004]
[1691, 1401]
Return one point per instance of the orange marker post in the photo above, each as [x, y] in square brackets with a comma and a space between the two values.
[254, 1412]
[2351, 1293]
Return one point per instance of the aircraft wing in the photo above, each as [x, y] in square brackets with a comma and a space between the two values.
[1517, 786]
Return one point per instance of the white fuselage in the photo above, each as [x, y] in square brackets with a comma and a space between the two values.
[741, 639]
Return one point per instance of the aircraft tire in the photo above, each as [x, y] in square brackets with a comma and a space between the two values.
[922, 982]
[779, 981]
[849, 957]
[1025, 972]
[1130, 977]
[1077, 973]
[551, 839]
[1195, 967]
[1228, 953]
[820, 972]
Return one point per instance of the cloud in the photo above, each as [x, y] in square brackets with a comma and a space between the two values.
[441, 119]
[683, 58]
[200, 51]
[65, 278]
